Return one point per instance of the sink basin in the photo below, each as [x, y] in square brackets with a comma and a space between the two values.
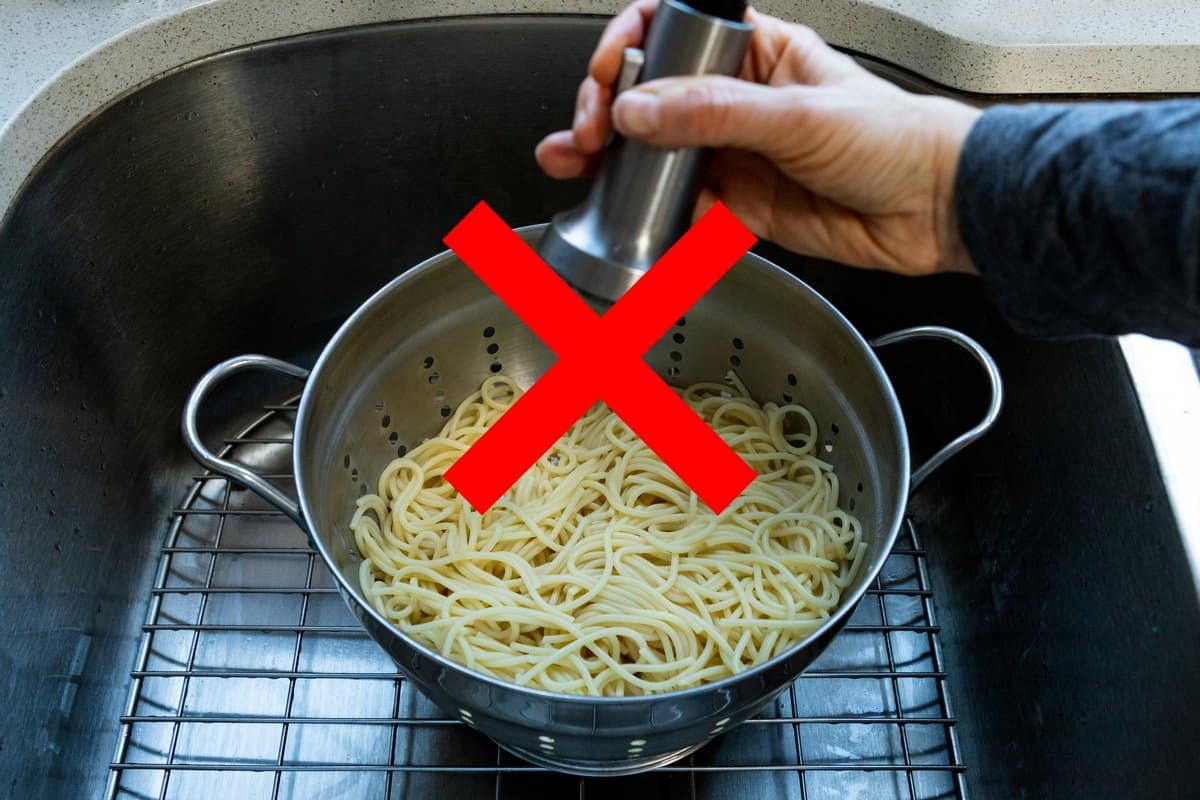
[248, 203]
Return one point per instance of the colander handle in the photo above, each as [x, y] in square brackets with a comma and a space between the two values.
[223, 466]
[936, 332]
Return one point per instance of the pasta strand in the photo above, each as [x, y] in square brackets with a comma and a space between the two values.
[599, 572]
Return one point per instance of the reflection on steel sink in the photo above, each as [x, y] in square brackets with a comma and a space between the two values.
[202, 215]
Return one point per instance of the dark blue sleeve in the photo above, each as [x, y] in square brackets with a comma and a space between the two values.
[1085, 219]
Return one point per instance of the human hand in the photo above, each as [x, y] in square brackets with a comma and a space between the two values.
[812, 151]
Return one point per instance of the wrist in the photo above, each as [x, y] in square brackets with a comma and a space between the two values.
[954, 121]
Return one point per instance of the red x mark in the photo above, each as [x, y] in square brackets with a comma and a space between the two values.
[599, 357]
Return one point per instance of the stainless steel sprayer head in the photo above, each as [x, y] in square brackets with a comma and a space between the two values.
[643, 196]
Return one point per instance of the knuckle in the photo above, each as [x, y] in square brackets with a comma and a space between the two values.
[806, 36]
[806, 47]
[709, 105]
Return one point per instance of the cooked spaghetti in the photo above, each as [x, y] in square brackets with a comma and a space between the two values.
[600, 573]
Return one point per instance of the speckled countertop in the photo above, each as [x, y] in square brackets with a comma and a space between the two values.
[61, 61]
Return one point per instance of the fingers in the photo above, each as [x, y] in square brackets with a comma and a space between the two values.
[626, 29]
[559, 158]
[712, 111]
[707, 199]
[747, 184]
[592, 123]
[593, 119]
[782, 53]
[593, 116]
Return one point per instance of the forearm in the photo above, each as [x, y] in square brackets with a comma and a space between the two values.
[1086, 219]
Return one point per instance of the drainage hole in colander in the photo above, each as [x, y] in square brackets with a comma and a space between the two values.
[681, 321]
[791, 379]
[496, 366]
[354, 474]
[787, 397]
[493, 348]
[393, 437]
[386, 421]
[401, 450]
[379, 407]
[676, 355]
[439, 396]
[673, 371]
[737, 362]
[346, 461]
[362, 490]
[738, 344]
[834, 428]
[860, 487]
[434, 378]
[428, 362]
[851, 504]
[679, 338]
[445, 411]
[489, 332]
[828, 445]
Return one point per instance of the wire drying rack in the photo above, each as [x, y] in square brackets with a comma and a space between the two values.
[253, 680]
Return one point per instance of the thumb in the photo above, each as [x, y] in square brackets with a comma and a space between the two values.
[711, 111]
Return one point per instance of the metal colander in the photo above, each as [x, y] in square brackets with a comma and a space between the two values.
[402, 362]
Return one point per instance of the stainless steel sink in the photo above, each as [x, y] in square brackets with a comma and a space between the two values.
[1036, 634]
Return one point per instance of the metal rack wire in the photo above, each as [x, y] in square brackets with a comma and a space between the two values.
[253, 680]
